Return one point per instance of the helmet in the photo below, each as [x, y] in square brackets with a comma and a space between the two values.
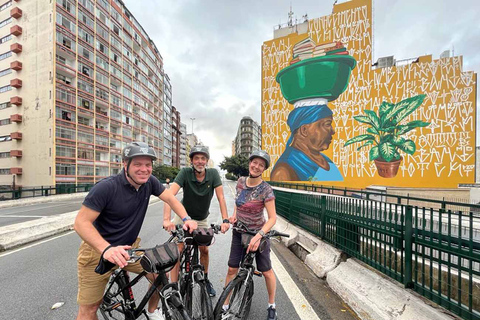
[262, 155]
[138, 148]
[199, 149]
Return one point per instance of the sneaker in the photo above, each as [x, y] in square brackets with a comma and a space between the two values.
[155, 315]
[211, 292]
[272, 313]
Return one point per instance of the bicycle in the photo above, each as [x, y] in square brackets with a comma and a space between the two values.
[240, 289]
[118, 300]
[192, 278]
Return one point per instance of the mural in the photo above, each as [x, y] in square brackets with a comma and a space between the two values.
[329, 116]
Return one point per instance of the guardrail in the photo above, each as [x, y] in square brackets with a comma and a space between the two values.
[435, 252]
[42, 191]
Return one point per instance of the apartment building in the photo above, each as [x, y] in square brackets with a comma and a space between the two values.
[78, 81]
[175, 138]
[249, 137]
[183, 145]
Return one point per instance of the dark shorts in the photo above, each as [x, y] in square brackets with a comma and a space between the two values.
[237, 252]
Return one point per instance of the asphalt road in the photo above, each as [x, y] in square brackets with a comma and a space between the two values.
[35, 277]
[20, 214]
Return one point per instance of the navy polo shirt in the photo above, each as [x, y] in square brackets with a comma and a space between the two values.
[122, 208]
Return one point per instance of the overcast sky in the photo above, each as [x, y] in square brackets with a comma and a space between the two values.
[211, 49]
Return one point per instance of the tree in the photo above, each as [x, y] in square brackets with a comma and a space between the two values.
[236, 165]
[230, 176]
[162, 172]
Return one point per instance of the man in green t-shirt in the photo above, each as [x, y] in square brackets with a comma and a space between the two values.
[199, 184]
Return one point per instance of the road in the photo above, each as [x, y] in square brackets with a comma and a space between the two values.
[35, 277]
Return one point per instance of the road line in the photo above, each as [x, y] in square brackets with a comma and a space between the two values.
[300, 303]
[35, 244]
[22, 216]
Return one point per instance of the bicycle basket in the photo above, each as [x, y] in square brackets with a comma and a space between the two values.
[202, 237]
[162, 258]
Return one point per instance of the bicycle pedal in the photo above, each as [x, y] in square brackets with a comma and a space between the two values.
[257, 273]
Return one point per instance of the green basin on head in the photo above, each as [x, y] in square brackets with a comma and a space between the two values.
[321, 77]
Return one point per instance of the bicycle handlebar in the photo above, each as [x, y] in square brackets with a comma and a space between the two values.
[272, 233]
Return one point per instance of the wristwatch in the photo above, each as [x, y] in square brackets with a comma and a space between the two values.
[186, 218]
[261, 232]
[226, 221]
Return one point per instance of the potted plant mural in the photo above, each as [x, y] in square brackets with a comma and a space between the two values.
[386, 134]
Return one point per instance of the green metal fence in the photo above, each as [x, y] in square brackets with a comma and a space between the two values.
[434, 252]
[43, 191]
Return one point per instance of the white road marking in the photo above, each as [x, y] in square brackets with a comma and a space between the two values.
[15, 216]
[300, 303]
[35, 244]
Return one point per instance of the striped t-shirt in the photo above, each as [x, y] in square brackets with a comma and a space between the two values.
[250, 202]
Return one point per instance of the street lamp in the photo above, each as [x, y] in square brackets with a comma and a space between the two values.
[192, 123]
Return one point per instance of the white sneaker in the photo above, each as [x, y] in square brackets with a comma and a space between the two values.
[155, 315]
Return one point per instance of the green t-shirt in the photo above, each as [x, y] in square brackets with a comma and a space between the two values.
[197, 195]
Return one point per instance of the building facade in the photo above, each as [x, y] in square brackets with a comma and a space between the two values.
[79, 80]
[183, 145]
[249, 137]
[191, 140]
[175, 138]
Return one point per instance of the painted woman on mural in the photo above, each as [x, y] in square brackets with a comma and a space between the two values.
[311, 133]
[317, 74]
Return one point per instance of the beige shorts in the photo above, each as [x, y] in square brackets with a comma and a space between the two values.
[91, 285]
[201, 223]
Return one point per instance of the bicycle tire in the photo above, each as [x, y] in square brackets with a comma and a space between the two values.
[175, 314]
[199, 303]
[241, 295]
[119, 301]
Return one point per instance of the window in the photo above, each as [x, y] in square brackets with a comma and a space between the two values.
[64, 151]
[5, 122]
[85, 19]
[5, 5]
[65, 133]
[5, 55]
[5, 105]
[5, 138]
[4, 171]
[87, 4]
[84, 121]
[64, 169]
[5, 88]
[5, 22]
[6, 38]
[4, 154]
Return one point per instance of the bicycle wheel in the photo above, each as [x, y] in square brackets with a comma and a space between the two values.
[113, 306]
[173, 313]
[240, 300]
[199, 303]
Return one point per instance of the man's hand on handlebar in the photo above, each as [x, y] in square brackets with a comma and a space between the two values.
[168, 225]
[117, 255]
[190, 225]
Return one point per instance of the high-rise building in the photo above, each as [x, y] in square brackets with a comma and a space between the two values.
[78, 81]
[192, 141]
[175, 138]
[167, 121]
[249, 137]
[183, 145]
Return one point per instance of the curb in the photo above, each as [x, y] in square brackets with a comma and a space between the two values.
[369, 293]
[23, 233]
[42, 199]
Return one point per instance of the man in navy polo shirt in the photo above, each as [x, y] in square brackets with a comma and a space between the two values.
[109, 222]
[199, 184]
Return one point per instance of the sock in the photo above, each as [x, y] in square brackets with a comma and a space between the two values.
[225, 307]
[271, 305]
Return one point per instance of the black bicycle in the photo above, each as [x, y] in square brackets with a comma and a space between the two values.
[118, 300]
[240, 289]
[192, 277]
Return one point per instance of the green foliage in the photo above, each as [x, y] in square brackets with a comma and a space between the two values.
[385, 132]
[230, 176]
[162, 172]
[236, 165]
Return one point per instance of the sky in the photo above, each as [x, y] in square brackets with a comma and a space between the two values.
[212, 49]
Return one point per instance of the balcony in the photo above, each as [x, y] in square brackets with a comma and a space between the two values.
[16, 118]
[16, 153]
[16, 170]
[16, 65]
[16, 100]
[16, 47]
[16, 135]
[16, 13]
[16, 83]
[16, 30]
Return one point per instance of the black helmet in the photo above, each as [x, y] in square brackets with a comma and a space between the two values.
[199, 149]
[262, 155]
[138, 148]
